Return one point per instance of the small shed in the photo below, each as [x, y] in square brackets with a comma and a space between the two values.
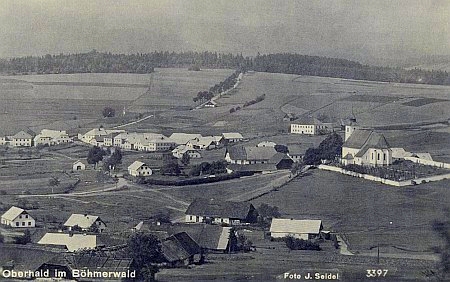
[78, 165]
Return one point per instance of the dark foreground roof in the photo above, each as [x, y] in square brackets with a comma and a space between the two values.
[179, 246]
[217, 208]
[207, 236]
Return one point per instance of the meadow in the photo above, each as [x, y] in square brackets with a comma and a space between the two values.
[73, 101]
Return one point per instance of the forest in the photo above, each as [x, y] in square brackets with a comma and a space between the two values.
[101, 62]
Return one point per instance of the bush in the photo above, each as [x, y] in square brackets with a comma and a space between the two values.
[24, 239]
[300, 244]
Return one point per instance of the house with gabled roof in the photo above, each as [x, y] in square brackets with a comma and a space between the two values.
[78, 165]
[251, 155]
[210, 238]
[85, 222]
[18, 218]
[179, 249]
[138, 168]
[70, 241]
[232, 137]
[180, 150]
[51, 137]
[366, 147]
[301, 229]
[220, 212]
[203, 143]
[21, 139]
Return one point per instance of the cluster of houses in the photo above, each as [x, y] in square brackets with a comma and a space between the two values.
[209, 227]
[46, 137]
[178, 143]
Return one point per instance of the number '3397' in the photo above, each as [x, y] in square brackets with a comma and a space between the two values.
[372, 273]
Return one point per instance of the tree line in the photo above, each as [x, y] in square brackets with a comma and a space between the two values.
[98, 62]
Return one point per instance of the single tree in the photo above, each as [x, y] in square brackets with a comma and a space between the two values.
[95, 155]
[145, 250]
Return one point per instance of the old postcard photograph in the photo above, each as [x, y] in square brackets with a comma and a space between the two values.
[224, 140]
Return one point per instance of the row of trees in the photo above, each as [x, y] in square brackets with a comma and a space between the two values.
[218, 88]
[276, 63]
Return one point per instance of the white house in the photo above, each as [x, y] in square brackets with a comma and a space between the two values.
[97, 132]
[72, 242]
[17, 217]
[203, 143]
[232, 137]
[138, 168]
[310, 126]
[21, 139]
[78, 165]
[301, 229]
[366, 147]
[51, 137]
[86, 222]
[180, 150]
[210, 104]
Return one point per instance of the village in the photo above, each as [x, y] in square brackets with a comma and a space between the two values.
[210, 227]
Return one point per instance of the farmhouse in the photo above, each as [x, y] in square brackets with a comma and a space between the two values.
[21, 139]
[179, 249]
[17, 217]
[366, 147]
[72, 242]
[220, 212]
[183, 138]
[297, 151]
[78, 165]
[138, 168]
[247, 155]
[311, 126]
[301, 229]
[180, 150]
[232, 137]
[51, 137]
[203, 143]
[85, 222]
[210, 238]
[97, 132]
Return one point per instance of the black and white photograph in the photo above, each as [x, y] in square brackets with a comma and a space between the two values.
[224, 140]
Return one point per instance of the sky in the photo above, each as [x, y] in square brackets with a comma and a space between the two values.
[355, 29]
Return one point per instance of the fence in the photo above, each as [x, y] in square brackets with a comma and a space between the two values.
[386, 181]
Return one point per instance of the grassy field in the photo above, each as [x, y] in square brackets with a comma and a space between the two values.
[75, 100]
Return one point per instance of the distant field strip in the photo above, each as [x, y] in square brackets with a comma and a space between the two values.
[423, 101]
[99, 84]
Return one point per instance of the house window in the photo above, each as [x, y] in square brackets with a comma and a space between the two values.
[384, 157]
[26, 216]
[17, 224]
[378, 156]
[190, 217]
[23, 223]
[29, 223]
[372, 156]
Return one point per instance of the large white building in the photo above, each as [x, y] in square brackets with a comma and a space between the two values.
[17, 217]
[310, 126]
[301, 229]
[51, 137]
